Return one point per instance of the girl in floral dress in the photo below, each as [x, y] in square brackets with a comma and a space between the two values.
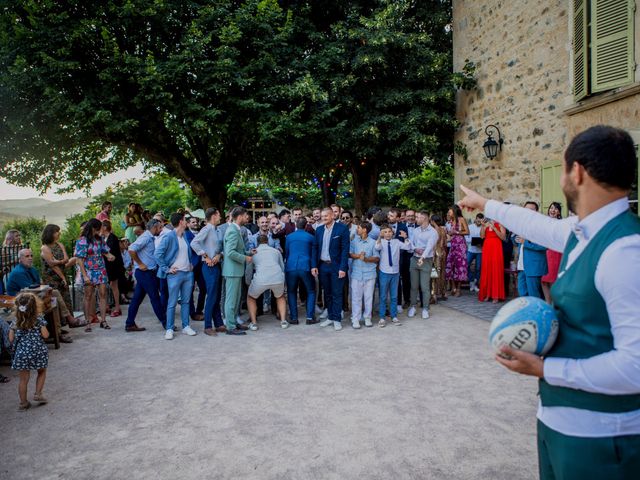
[27, 334]
[457, 256]
[91, 251]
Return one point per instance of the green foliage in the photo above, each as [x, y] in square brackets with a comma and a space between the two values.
[30, 231]
[72, 229]
[157, 193]
[431, 189]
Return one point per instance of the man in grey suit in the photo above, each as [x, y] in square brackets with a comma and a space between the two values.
[269, 275]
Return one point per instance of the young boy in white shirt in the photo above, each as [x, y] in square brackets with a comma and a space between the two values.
[389, 277]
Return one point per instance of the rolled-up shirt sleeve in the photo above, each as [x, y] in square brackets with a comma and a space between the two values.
[616, 372]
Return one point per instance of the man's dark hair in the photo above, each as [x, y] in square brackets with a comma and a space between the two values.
[348, 213]
[106, 204]
[175, 218]
[284, 212]
[531, 202]
[263, 239]
[480, 216]
[301, 223]
[606, 153]
[372, 211]
[237, 211]
[210, 213]
[367, 226]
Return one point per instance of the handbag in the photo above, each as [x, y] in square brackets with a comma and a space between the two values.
[434, 272]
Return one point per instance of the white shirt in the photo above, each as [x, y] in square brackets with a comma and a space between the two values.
[181, 263]
[424, 241]
[616, 372]
[474, 231]
[326, 240]
[396, 246]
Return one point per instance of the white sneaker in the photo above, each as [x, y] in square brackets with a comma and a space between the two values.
[189, 331]
[382, 322]
[337, 326]
[324, 314]
[399, 308]
[284, 324]
[412, 312]
[395, 321]
[355, 325]
[253, 327]
[168, 335]
[367, 322]
[326, 323]
[425, 313]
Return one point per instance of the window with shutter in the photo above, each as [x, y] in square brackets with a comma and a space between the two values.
[612, 62]
[580, 57]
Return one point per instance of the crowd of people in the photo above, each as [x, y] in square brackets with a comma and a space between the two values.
[328, 260]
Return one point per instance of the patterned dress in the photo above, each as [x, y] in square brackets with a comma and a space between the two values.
[91, 252]
[30, 351]
[457, 257]
[52, 279]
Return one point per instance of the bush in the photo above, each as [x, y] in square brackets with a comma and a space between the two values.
[30, 230]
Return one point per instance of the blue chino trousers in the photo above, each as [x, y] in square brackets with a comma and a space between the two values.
[389, 286]
[213, 281]
[146, 284]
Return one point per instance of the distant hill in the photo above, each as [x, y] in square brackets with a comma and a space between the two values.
[54, 212]
[6, 218]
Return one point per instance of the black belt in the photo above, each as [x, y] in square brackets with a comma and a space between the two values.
[327, 262]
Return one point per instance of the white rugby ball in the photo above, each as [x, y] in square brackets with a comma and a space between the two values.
[525, 323]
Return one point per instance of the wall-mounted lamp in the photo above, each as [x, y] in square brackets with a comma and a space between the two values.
[491, 146]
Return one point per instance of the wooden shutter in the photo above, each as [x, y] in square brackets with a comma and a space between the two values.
[612, 62]
[550, 190]
[580, 45]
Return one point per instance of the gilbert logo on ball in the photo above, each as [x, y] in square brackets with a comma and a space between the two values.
[525, 323]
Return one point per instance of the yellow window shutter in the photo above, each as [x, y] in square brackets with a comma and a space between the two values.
[612, 44]
[580, 45]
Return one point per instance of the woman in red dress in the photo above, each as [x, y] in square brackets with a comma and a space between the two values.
[492, 271]
[553, 257]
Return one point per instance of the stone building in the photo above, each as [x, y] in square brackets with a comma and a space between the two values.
[545, 71]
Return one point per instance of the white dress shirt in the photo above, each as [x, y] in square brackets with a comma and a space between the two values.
[424, 241]
[326, 240]
[396, 246]
[616, 372]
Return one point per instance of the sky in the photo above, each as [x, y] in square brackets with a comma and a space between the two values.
[13, 192]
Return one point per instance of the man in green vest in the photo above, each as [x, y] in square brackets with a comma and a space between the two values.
[233, 265]
[589, 409]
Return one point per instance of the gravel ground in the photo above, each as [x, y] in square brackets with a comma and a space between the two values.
[424, 400]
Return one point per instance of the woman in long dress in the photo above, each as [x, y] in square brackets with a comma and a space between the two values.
[492, 271]
[457, 256]
[553, 257]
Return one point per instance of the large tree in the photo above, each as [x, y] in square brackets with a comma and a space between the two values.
[378, 92]
[89, 87]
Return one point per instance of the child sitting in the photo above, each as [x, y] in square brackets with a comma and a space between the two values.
[28, 332]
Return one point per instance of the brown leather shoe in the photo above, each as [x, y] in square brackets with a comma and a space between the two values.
[134, 328]
[221, 329]
[242, 327]
[210, 331]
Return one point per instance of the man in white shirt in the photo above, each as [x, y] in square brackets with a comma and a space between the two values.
[474, 252]
[589, 410]
[423, 240]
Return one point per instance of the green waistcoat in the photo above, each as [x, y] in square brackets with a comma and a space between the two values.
[584, 327]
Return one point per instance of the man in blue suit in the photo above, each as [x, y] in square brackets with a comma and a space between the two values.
[532, 263]
[330, 262]
[174, 263]
[299, 250]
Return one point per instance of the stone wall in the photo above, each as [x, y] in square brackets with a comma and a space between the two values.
[522, 54]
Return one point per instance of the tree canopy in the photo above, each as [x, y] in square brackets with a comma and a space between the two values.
[207, 89]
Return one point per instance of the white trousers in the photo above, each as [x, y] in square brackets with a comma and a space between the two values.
[362, 290]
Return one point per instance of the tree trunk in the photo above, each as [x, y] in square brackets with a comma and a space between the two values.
[365, 185]
[329, 187]
[211, 189]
